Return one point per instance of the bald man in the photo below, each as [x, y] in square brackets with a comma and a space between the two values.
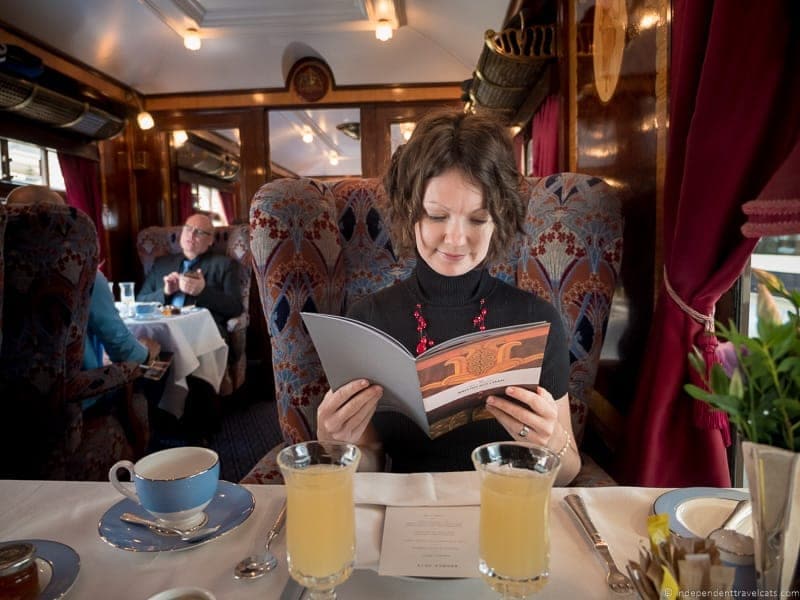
[34, 194]
[197, 276]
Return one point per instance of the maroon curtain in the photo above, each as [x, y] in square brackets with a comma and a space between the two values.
[733, 117]
[82, 180]
[227, 206]
[544, 135]
[185, 201]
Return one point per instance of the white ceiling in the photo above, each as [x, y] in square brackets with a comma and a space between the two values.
[251, 44]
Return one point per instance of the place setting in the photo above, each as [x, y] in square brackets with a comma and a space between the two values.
[174, 501]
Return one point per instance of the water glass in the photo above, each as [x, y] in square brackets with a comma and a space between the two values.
[127, 297]
[111, 288]
[320, 513]
[514, 538]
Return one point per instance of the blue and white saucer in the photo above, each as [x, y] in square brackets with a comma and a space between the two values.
[229, 508]
[696, 511]
[58, 566]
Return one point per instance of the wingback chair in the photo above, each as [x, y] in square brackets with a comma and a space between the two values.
[320, 247]
[50, 255]
[233, 240]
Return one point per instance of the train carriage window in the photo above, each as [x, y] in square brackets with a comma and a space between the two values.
[207, 199]
[27, 164]
[780, 255]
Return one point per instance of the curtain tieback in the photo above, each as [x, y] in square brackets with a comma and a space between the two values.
[705, 416]
[706, 320]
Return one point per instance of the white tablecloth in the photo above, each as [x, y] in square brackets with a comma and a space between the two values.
[198, 350]
[69, 512]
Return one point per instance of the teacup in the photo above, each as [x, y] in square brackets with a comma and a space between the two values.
[173, 485]
[147, 310]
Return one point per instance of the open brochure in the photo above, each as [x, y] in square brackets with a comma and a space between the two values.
[444, 387]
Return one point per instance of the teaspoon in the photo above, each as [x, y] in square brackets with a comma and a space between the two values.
[259, 564]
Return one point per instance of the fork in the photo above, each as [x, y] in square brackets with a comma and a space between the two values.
[617, 581]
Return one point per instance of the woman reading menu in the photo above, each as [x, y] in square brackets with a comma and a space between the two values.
[453, 195]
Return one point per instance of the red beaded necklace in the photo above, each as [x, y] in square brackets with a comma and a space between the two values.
[478, 322]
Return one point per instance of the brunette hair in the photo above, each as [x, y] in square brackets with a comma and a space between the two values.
[480, 148]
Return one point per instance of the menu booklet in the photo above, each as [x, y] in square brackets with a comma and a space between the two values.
[430, 541]
[158, 368]
[443, 388]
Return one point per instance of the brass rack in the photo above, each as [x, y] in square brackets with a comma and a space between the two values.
[513, 63]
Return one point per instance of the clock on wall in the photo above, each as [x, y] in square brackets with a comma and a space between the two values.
[610, 26]
[311, 79]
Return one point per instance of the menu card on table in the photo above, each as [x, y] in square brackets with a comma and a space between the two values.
[430, 541]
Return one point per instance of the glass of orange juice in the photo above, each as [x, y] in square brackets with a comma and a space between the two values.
[320, 514]
[514, 534]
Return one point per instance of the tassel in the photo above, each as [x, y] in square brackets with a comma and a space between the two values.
[706, 416]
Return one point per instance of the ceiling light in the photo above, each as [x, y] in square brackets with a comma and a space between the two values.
[350, 129]
[383, 31]
[333, 158]
[179, 138]
[191, 39]
[308, 136]
[406, 129]
[145, 120]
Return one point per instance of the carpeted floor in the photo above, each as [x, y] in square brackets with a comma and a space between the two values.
[249, 429]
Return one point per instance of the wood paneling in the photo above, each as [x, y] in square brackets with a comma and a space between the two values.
[121, 212]
[285, 98]
[618, 141]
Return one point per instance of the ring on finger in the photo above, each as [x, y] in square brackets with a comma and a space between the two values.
[524, 431]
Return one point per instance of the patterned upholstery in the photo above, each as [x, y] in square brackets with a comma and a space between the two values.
[319, 247]
[233, 240]
[50, 264]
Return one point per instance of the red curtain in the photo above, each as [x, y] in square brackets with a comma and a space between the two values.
[544, 137]
[227, 206]
[733, 118]
[185, 201]
[82, 180]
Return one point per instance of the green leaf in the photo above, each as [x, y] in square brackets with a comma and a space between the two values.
[696, 392]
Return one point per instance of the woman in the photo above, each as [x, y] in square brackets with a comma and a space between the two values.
[454, 200]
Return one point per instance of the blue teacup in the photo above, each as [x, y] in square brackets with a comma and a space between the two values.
[173, 485]
[147, 310]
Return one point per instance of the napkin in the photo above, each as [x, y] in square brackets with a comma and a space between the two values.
[374, 491]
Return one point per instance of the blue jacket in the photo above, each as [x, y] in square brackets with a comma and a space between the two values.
[106, 330]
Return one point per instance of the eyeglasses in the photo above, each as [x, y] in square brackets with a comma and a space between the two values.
[195, 231]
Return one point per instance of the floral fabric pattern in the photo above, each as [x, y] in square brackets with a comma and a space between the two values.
[50, 264]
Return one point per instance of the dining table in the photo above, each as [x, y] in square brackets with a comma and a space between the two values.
[71, 513]
[197, 349]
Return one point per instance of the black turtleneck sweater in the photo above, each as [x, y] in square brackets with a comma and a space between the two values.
[449, 305]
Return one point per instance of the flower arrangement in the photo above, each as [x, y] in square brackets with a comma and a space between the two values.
[758, 385]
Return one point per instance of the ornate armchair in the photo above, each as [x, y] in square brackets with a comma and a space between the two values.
[319, 247]
[233, 240]
[50, 255]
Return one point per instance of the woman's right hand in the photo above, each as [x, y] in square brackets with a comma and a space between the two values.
[345, 414]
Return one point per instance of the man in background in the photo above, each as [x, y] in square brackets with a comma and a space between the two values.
[197, 276]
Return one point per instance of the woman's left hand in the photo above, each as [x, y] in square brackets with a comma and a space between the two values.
[534, 420]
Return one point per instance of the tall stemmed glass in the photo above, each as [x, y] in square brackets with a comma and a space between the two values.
[320, 514]
[514, 538]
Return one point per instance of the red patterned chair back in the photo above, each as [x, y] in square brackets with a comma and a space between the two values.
[319, 247]
[50, 257]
